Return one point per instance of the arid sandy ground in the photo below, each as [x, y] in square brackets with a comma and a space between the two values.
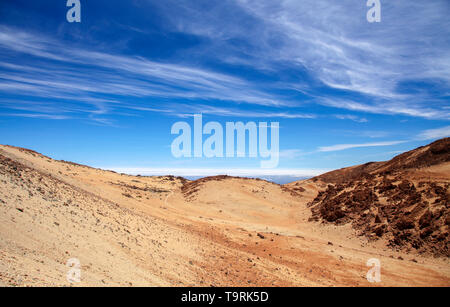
[162, 231]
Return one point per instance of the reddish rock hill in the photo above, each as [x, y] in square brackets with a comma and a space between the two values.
[405, 200]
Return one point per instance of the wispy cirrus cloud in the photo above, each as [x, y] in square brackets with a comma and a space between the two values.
[185, 110]
[388, 65]
[397, 108]
[103, 74]
[437, 133]
[117, 74]
[37, 115]
[340, 147]
[425, 135]
[352, 117]
[306, 46]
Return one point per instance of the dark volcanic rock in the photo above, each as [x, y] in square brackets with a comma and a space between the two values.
[380, 201]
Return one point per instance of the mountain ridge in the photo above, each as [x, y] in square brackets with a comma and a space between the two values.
[405, 200]
[424, 156]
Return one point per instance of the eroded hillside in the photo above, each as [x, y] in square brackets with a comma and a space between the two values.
[405, 200]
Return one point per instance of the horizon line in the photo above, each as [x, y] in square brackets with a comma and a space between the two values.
[149, 171]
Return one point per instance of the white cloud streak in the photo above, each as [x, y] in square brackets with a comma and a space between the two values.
[184, 110]
[340, 147]
[437, 133]
[352, 117]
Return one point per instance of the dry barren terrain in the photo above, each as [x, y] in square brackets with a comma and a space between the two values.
[218, 231]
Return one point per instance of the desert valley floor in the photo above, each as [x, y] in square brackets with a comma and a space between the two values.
[219, 231]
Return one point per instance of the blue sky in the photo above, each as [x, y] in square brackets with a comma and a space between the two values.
[106, 91]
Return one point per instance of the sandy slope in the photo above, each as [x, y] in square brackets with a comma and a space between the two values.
[154, 231]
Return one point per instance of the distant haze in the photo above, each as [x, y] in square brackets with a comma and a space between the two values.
[279, 179]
